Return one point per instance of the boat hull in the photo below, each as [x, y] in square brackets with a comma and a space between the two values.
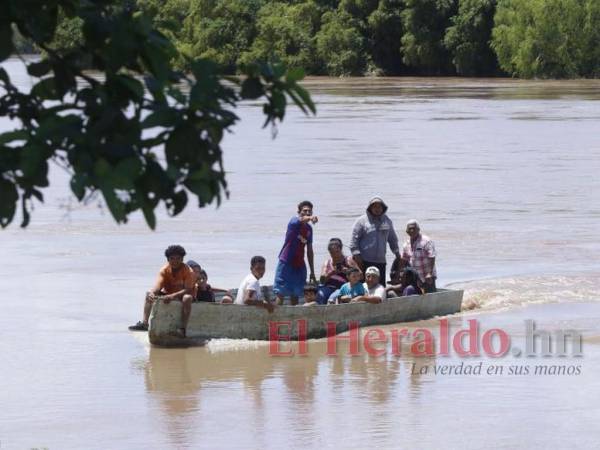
[215, 320]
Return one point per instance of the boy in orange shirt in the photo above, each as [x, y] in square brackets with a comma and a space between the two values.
[175, 283]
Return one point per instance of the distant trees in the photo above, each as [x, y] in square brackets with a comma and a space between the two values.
[340, 44]
[548, 38]
[385, 32]
[468, 38]
[525, 38]
[220, 30]
[425, 22]
[287, 31]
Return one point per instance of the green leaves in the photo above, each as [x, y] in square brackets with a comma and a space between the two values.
[115, 205]
[90, 123]
[126, 171]
[340, 45]
[46, 90]
[41, 20]
[78, 183]
[301, 98]
[39, 69]
[129, 87]
[273, 82]
[8, 205]
[294, 75]
[162, 117]
[469, 36]
[6, 42]
[176, 203]
[252, 88]
[425, 23]
[547, 39]
[182, 144]
[11, 136]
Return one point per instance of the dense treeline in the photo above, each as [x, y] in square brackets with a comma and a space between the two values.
[524, 38]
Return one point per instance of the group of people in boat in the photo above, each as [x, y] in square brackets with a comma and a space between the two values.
[359, 277]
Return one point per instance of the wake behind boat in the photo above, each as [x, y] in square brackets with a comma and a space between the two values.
[215, 320]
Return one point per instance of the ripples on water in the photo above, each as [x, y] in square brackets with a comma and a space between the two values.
[506, 293]
[502, 174]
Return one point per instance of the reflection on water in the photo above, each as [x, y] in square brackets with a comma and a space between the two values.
[364, 401]
[502, 174]
[313, 392]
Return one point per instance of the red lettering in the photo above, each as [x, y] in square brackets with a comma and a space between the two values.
[444, 338]
[396, 336]
[488, 348]
[426, 343]
[472, 333]
[368, 341]
[275, 337]
[302, 333]
[332, 338]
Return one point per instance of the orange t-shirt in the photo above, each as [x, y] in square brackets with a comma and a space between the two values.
[171, 282]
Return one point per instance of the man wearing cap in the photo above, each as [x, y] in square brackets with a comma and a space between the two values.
[371, 234]
[419, 252]
[374, 292]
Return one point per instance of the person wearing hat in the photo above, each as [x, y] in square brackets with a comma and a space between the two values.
[371, 234]
[419, 252]
[374, 292]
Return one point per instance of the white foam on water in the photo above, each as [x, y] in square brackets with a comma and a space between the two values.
[224, 345]
[142, 338]
[506, 293]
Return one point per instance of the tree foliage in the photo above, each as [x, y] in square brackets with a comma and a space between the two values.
[385, 32]
[143, 134]
[359, 9]
[548, 38]
[287, 32]
[220, 30]
[468, 38]
[391, 37]
[425, 23]
[340, 45]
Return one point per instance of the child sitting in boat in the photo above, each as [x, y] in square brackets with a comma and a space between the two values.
[353, 288]
[204, 292]
[410, 282]
[249, 293]
[310, 295]
[404, 283]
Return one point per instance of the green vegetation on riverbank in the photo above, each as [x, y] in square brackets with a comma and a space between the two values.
[523, 38]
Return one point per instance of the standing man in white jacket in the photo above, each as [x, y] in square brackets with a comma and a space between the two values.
[371, 234]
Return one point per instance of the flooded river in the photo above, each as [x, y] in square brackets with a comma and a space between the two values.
[501, 174]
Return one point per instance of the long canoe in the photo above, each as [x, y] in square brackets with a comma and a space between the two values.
[216, 320]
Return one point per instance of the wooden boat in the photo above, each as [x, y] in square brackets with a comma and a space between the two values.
[215, 320]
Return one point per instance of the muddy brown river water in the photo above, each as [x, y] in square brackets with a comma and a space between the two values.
[502, 174]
